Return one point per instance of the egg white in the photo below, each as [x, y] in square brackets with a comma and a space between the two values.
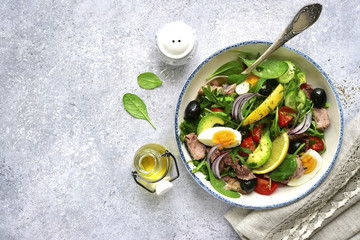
[242, 87]
[206, 136]
[307, 177]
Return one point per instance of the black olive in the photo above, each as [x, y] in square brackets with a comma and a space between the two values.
[294, 145]
[266, 89]
[318, 96]
[273, 82]
[248, 185]
[192, 110]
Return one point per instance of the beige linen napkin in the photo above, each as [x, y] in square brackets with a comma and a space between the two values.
[332, 211]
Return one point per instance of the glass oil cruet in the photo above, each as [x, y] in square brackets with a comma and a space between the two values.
[153, 166]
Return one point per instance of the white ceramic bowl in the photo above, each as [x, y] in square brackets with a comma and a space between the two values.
[284, 195]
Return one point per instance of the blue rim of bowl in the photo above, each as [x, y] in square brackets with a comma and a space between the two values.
[219, 196]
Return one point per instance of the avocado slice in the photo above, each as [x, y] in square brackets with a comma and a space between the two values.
[263, 151]
[289, 74]
[208, 121]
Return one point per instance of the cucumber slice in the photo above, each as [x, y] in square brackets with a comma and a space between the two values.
[295, 99]
[289, 74]
[301, 99]
[290, 99]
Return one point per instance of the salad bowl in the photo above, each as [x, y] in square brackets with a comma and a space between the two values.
[284, 195]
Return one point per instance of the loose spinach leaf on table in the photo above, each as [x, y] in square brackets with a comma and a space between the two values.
[136, 107]
[229, 68]
[148, 80]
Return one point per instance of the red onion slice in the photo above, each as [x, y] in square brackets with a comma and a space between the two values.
[211, 151]
[215, 166]
[239, 104]
[303, 126]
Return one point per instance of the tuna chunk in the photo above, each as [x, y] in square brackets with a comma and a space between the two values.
[321, 117]
[228, 89]
[299, 169]
[241, 171]
[196, 148]
[214, 155]
[234, 185]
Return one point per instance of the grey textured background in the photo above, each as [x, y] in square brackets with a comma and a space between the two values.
[67, 143]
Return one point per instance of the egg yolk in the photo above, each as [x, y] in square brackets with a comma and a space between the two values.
[252, 79]
[224, 137]
[309, 163]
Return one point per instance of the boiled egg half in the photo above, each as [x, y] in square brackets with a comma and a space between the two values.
[245, 86]
[312, 162]
[225, 136]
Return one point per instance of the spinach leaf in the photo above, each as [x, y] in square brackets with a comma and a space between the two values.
[136, 107]
[148, 80]
[218, 185]
[229, 68]
[286, 168]
[268, 68]
[236, 78]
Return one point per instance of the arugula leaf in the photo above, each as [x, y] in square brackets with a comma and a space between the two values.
[275, 129]
[256, 88]
[148, 80]
[136, 107]
[218, 185]
[199, 166]
[186, 127]
[209, 94]
[229, 68]
[228, 171]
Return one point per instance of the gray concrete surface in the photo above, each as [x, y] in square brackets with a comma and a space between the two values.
[66, 142]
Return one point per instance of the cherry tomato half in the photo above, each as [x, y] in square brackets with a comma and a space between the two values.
[316, 143]
[247, 143]
[284, 116]
[303, 86]
[217, 109]
[263, 186]
[256, 132]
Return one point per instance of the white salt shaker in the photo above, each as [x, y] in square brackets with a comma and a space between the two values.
[176, 43]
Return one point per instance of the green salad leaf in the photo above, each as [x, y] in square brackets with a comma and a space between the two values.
[136, 107]
[148, 80]
[286, 168]
[236, 78]
[229, 68]
[218, 185]
[268, 68]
